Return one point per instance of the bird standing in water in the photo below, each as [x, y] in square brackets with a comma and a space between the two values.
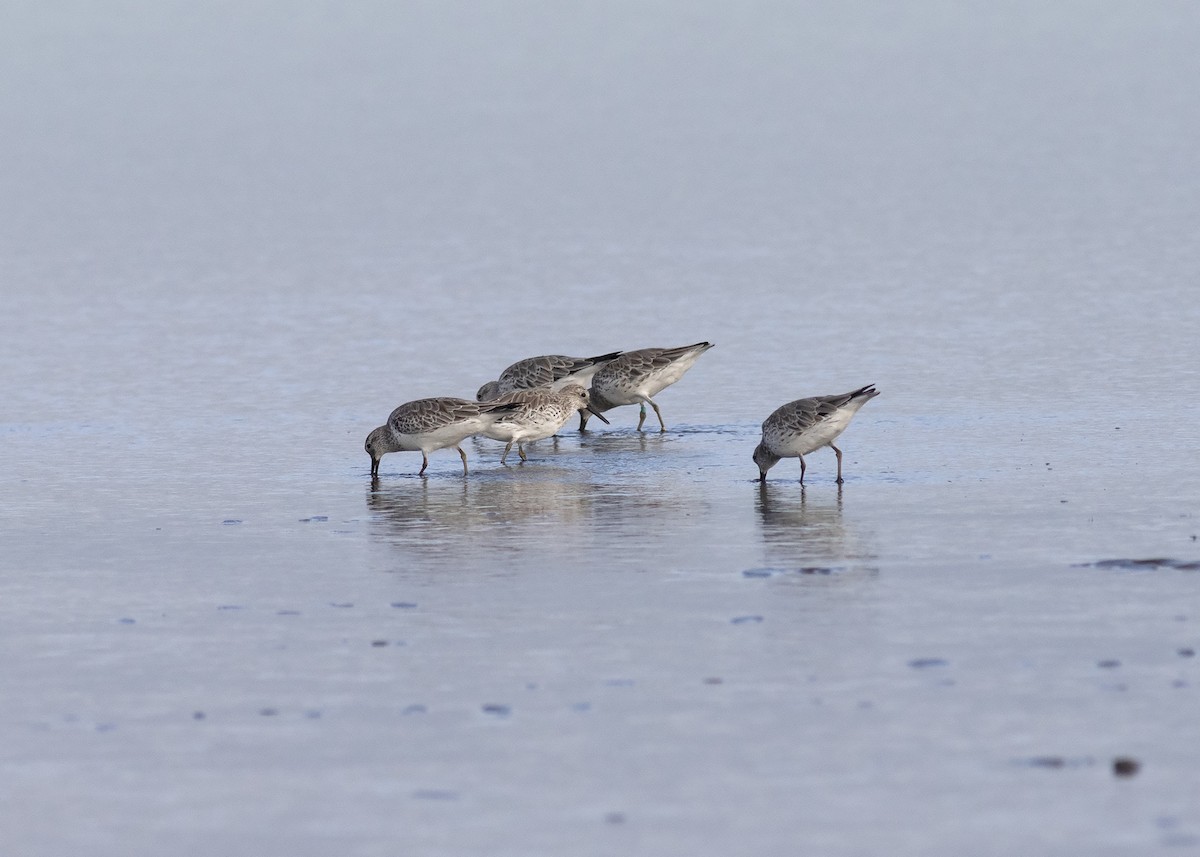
[806, 425]
[540, 414]
[636, 376]
[428, 424]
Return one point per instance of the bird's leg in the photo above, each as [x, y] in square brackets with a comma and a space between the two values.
[838, 452]
[463, 456]
[661, 425]
[424, 463]
[802, 468]
[507, 449]
[521, 451]
[583, 418]
[641, 416]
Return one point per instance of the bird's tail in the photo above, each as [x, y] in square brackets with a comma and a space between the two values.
[676, 353]
[605, 358]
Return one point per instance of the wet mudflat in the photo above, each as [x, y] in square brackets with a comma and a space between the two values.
[624, 643]
[223, 637]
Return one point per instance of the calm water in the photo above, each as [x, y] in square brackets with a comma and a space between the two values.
[234, 240]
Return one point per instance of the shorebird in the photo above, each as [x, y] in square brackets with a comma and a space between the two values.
[636, 376]
[540, 413]
[551, 370]
[805, 425]
[428, 424]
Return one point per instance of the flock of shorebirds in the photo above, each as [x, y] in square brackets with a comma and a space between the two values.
[534, 398]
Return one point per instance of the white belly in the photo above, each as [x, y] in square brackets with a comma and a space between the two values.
[440, 438]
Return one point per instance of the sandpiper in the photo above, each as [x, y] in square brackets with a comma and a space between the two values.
[551, 370]
[428, 424]
[636, 376]
[805, 425]
[540, 413]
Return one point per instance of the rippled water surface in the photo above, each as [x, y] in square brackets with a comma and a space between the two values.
[234, 240]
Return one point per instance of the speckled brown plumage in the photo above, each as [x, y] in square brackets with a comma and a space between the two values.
[636, 376]
[800, 427]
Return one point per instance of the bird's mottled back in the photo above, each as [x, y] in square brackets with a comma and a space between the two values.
[545, 371]
[646, 361]
[803, 414]
[425, 415]
[540, 371]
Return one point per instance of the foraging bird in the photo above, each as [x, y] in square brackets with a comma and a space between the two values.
[805, 425]
[551, 370]
[428, 424]
[540, 414]
[636, 376]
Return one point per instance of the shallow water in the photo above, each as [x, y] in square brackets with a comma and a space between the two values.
[234, 249]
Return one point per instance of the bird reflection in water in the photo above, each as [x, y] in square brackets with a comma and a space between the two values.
[486, 515]
[803, 534]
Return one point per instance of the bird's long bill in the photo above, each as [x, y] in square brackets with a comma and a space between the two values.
[598, 416]
[374, 467]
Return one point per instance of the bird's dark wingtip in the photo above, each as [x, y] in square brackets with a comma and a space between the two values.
[605, 358]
